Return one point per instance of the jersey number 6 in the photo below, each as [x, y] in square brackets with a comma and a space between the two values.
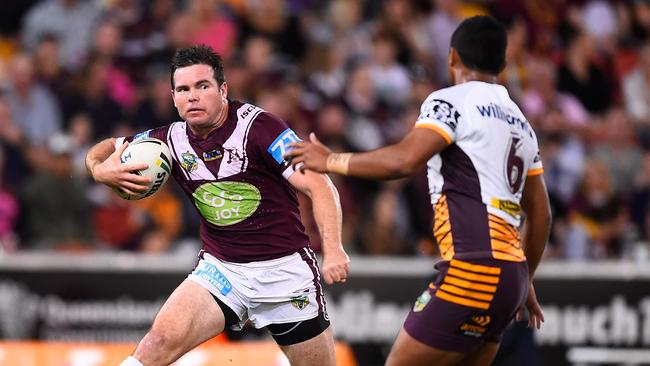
[514, 166]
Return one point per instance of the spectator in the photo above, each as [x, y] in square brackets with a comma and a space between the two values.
[34, 109]
[212, 26]
[391, 81]
[271, 19]
[580, 76]
[597, 218]
[90, 95]
[156, 108]
[442, 22]
[56, 209]
[618, 151]
[636, 90]
[70, 21]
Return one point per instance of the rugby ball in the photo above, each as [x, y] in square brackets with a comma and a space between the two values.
[156, 155]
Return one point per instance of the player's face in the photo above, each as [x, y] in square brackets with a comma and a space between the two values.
[197, 96]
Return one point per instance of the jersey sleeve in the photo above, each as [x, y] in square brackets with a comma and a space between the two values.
[273, 135]
[536, 166]
[159, 133]
[440, 115]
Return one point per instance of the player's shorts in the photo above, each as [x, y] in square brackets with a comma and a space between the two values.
[277, 291]
[470, 302]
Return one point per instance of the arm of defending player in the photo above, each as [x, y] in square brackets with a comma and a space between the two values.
[327, 212]
[535, 204]
[393, 161]
[104, 166]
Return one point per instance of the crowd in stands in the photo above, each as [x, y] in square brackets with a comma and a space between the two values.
[73, 72]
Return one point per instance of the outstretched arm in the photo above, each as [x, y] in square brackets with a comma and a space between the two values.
[104, 166]
[327, 212]
[393, 161]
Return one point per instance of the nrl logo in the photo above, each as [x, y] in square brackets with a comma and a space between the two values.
[422, 301]
[300, 302]
[189, 161]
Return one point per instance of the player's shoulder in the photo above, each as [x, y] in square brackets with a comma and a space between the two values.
[453, 94]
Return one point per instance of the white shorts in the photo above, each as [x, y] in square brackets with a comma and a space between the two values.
[277, 291]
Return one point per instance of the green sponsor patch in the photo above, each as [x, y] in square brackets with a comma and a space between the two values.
[227, 203]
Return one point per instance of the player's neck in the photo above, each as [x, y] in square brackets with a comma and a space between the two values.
[463, 76]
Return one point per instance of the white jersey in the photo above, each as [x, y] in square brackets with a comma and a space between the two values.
[476, 183]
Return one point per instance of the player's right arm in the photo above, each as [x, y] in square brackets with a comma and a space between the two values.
[104, 166]
[537, 227]
[435, 129]
[393, 161]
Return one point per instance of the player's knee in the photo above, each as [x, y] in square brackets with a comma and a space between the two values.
[157, 341]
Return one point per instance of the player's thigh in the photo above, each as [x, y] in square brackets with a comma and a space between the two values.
[483, 356]
[408, 351]
[317, 351]
[190, 316]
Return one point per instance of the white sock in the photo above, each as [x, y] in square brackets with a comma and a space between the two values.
[131, 361]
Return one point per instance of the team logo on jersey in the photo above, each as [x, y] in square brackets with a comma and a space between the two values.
[422, 301]
[189, 161]
[279, 147]
[227, 203]
[475, 326]
[442, 111]
[233, 155]
[300, 302]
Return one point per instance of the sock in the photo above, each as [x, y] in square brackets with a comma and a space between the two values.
[131, 361]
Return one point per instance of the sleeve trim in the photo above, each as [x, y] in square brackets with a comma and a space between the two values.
[533, 172]
[437, 129]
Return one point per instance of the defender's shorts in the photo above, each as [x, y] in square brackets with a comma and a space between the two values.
[469, 303]
[276, 291]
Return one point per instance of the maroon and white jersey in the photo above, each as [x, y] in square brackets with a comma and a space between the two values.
[237, 179]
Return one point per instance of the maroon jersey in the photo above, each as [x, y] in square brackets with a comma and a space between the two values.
[237, 179]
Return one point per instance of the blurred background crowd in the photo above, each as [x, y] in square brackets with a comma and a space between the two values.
[354, 71]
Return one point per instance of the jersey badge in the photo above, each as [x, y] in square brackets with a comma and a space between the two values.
[141, 135]
[300, 302]
[212, 155]
[442, 111]
[189, 161]
[279, 147]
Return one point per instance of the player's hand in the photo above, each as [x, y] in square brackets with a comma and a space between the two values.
[535, 313]
[310, 155]
[336, 265]
[113, 173]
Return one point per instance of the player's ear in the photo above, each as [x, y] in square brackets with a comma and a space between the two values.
[173, 98]
[453, 60]
[223, 89]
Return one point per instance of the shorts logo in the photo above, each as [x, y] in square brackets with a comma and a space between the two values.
[211, 273]
[300, 302]
[475, 326]
[189, 161]
[422, 301]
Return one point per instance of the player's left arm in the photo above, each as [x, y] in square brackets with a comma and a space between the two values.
[389, 162]
[327, 212]
[537, 227]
